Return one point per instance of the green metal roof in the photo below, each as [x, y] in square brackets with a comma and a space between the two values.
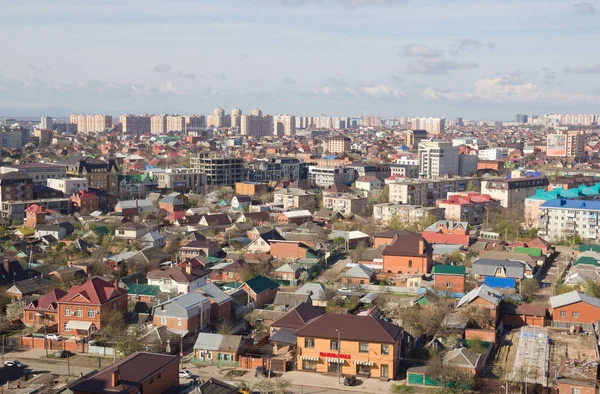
[260, 283]
[586, 247]
[143, 290]
[587, 260]
[533, 252]
[449, 269]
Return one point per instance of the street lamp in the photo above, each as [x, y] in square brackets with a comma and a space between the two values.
[45, 333]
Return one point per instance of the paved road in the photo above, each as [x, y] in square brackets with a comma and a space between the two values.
[76, 365]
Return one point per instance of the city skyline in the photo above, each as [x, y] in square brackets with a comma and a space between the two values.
[477, 60]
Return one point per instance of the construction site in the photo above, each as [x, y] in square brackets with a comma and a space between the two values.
[540, 356]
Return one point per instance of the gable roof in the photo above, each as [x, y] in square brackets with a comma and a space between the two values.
[359, 271]
[573, 297]
[314, 290]
[406, 243]
[462, 358]
[488, 267]
[351, 328]
[48, 300]
[483, 291]
[214, 292]
[449, 269]
[30, 286]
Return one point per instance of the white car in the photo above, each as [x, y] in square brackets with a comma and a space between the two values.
[54, 337]
[185, 373]
[14, 363]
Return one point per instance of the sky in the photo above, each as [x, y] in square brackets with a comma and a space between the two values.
[476, 59]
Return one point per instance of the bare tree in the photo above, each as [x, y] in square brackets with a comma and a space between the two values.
[14, 310]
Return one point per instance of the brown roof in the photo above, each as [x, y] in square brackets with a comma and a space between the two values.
[406, 243]
[298, 316]
[131, 372]
[96, 290]
[524, 309]
[351, 328]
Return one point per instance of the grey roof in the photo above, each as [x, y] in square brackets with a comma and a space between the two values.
[483, 291]
[446, 249]
[152, 236]
[290, 299]
[498, 255]
[184, 306]
[359, 271]
[206, 341]
[288, 268]
[571, 298]
[314, 290]
[32, 285]
[488, 267]
[284, 335]
[215, 293]
[230, 343]
[462, 358]
[171, 200]
[369, 298]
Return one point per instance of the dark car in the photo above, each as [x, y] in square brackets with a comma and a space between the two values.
[260, 371]
[63, 354]
[349, 380]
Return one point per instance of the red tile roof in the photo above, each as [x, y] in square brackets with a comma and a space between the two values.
[96, 290]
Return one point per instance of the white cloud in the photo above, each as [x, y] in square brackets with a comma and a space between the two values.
[419, 50]
[381, 91]
[583, 69]
[438, 66]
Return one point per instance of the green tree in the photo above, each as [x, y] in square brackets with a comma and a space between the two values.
[528, 288]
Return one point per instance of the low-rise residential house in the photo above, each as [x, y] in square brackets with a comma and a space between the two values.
[227, 271]
[262, 242]
[261, 290]
[409, 253]
[409, 214]
[449, 278]
[352, 239]
[80, 310]
[359, 275]
[241, 201]
[296, 317]
[515, 316]
[153, 239]
[345, 203]
[171, 203]
[85, 202]
[292, 198]
[44, 230]
[482, 298]
[470, 207]
[291, 250]
[500, 273]
[143, 292]
[44, 310]
[294, 217]
[288, 271]
[254, 218]
[465, 360]
[27, 287]
[178, 279]
[183, 314]
[195, 249]
[220, 302]
[368, 183]
[139, 372]
[316, 292]
[215, 221]
[131, 231]
[218, 347]
[448, 232]
[573, 309]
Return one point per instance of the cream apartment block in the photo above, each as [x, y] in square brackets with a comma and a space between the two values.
[338, 144]
[135, 124]
[295, 199]
[438, 158]
[409, 214]
[512, 191]
[427, 191]
[91, 123]
[345, 203]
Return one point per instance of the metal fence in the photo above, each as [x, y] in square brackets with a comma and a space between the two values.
[217, 363]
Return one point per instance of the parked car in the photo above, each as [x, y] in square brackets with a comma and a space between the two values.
[349, 380]
[260, 371]
[185, 373]
[63, 354]
[54, 337]
[14, 363]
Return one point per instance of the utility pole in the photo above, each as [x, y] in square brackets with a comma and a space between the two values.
[339, 367]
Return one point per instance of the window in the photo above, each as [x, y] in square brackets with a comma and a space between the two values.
[363, 347]
[384, 371]
[575, 390]
[563, 314]
[448, 285]
[409, 263]
[163, 320]
[31, 315]
[79, 312]
[91, 313]
[385, 349]
[309, 365]
[309, 343]
[67, 311]
[65, 327]
[178, 322]
[334, 345]
[575, 315]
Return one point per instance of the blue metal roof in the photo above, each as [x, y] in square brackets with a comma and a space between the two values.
[572, 204]
[500, 283]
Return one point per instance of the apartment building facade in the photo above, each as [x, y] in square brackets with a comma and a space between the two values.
[219, 171]
[562, 218]
[512, 191]
[91, 123]
[426, 192]
[329, 176]
[438, 158]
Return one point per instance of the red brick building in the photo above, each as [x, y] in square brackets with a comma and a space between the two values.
[85, 202]
[80, 310]
[261, 290]
[575, 308]
[44, 310]
[34, 215]
[408, 253]
[450, 278]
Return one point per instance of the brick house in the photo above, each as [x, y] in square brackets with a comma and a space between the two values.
[171, 204]
[449, 278]
[385, 238]
[140, 372]
[288, 272]
[85, 202]
[227, 272]
[44, 308]
[482, 298]
[197, 248]
[572, 386]
[447, 232]
[217, 347]
[261, 290]
[34, 215]
[80, 310]
[182, 314]
[574, 308]
[359, 275]
[408, 253]
[220, 302]
[291, 250]
[295, 217]
[515, 316]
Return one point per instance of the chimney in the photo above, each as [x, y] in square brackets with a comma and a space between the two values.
[116, 283]
[115, 378]
[7, 267]
[188, 268]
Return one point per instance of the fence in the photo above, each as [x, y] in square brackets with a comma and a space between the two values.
[101, 350]
[390, 289]
[41, 343]
[217, 363]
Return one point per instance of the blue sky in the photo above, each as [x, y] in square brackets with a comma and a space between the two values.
[475, 59]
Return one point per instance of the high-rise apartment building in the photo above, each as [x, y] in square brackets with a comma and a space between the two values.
[414, 137]
[65, 127]
[158, 124]
[175, 123]
[371, 121]
[217, 119]
[46, 123]
[91, 123]
[433, 126]
[284, 125]
[236, 117]
[256, 124]
[438, 158]
[220, 171]
[521, 118]
[135, 124]
[194, 122]
[566, 144]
